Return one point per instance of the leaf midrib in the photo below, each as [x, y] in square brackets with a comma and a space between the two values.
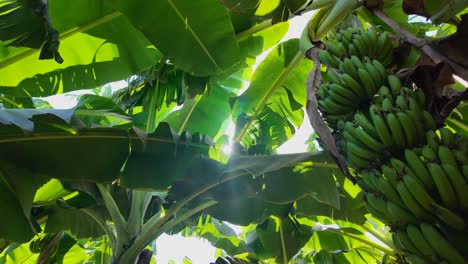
[194, 34]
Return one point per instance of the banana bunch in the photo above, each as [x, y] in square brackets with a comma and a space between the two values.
[351, 83]
[426, 243]
[414, 176]
[360, 43]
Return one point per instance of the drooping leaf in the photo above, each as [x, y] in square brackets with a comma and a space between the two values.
[161, 158]
[205, 115]
[197, 43]
[105, 54]
[278, 83]
[57, 151]
[220, 235]
[280, 238]
[74, 220]
[244, 211]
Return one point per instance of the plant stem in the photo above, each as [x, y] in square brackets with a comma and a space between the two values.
[425, 46]
[276, 85]
[10, 102]
[360, 239]
[117, 218]
[255, 29]
[316, 4]
[130, 255]
[140, 201]
[378, 235]
[196, 100]
[283, 242]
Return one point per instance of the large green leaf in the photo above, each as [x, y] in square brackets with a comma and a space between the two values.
[162, 158]
[220, 235]
[244, 211]
[21, 26]
[280, 238]
[205, 114]
[278, 83]
[342, 238]
[57, 151]
[104, 54]
[196, 35]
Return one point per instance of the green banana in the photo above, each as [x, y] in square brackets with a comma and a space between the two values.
[465, 172]
[370, 180]
[446, 156]
[417, 167]
[421, 98]
[334, 77]
[377, 203]
[461, 156]
[385, 48]
[350, 137]
[429, 154]
[402, 215]
[347, 66]
[417, 190]
[387, 105]
[428, 121]
[410, 203]
[396, 130]
[358, 161]
[366, 43]
[440, 244]
[402, 102]
[361, 120]
[401, 239]
[458, 183]
[353, 50]
[375, 74]
[448, 217]
[408, 128]
[394, 83]
[327, 59]
[416, 119]
[381, 127]
[340, 99]
[335, 49]
[380, 69]
[361, 151]
[332, 107]
[432, 140]
[373, 40]
[354, 86]
[444, 187]
[366, 80]
[357, 62]
[364, 137]
[356, 42]
[384, 92]
[447, 137]
[348, 93]
[389, 191]
[374, 212]
[390, 174]
[419, 241]
[415, 259]
[399, 166]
